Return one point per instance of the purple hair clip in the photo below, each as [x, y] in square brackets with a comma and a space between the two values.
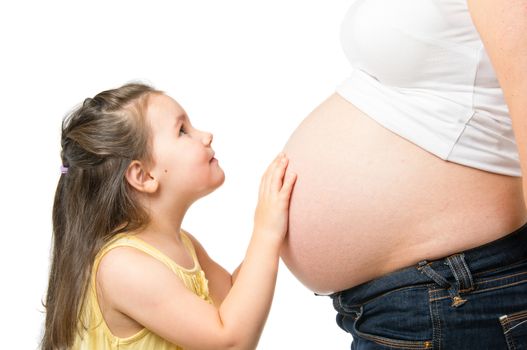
[63, 169]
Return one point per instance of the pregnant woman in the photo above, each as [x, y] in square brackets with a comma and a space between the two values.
[409, 209]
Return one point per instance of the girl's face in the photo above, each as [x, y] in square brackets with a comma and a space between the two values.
[183, 159]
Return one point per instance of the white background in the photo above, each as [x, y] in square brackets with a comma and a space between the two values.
[248, 71]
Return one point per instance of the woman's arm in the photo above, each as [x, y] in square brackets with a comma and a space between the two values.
[502, 26]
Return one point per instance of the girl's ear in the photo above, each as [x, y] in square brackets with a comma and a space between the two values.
[140, 179]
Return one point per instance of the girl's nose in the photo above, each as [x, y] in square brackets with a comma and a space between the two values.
[207, 138]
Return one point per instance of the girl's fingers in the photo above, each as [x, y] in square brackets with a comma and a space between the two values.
[289, 182]
[267, 178]
[261, 189]
[278, 175]
[274, 179]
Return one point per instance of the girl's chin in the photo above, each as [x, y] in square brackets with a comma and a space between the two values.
[222, 180]
[219, 179]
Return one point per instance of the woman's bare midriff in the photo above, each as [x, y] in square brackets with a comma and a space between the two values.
[368, 202]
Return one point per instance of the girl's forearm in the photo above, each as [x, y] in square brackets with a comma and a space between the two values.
[235, 273]
[245, 309]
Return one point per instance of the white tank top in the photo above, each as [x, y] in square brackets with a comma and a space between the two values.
[420, 69]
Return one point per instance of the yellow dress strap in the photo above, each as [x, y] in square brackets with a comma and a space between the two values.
[190, 247]
[127, 240]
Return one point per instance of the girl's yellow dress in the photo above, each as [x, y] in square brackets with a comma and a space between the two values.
[97, 336]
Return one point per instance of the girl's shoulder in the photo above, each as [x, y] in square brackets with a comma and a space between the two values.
[128, 262]
[122, 257]
[133, 253]
[125, 256]
[130, 282]
[119, 239]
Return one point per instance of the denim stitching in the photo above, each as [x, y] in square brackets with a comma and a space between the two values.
[416, 286]
[467, 279]
[440, 298]
[501, 268]
[487, 289]
[500, 278]
[517, 315]
[453, 289]
[338, 304]
[451, 263]
[516, 325]
[342, 308]
[399, 344]
[460, 271]
[395, 344]
[491, 280]
[504, 321]
[465, 272]
[470, 280]
[433, 275]
[436, 323]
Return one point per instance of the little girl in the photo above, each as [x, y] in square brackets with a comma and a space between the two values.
[124, 275]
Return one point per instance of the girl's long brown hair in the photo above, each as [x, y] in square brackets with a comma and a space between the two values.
[93, 201]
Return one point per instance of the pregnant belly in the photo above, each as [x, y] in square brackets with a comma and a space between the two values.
[368, 202]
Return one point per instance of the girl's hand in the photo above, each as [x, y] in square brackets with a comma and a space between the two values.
[272, 211]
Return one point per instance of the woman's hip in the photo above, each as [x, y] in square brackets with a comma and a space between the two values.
[476, 299]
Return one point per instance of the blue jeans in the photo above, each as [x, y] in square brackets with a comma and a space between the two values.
[476, 299]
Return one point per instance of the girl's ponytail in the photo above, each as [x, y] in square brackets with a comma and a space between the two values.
[93, 201]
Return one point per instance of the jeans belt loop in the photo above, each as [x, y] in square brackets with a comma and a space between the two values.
[453, 289]
[461, 272]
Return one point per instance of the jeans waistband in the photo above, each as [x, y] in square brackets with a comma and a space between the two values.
[505, 251]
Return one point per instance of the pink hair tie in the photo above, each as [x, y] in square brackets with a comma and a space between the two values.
[63, 169]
